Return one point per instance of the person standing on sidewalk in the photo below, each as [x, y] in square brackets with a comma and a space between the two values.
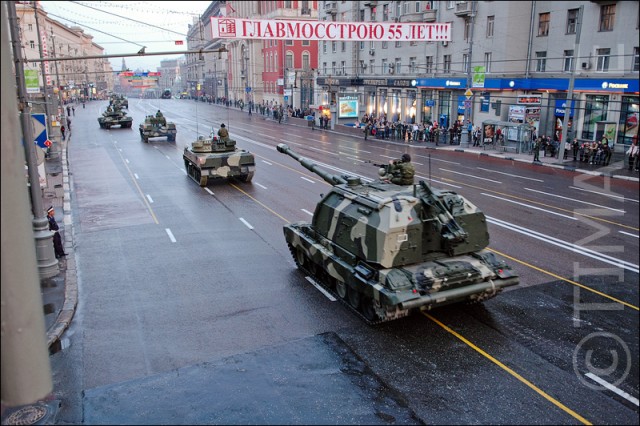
[62, 129]
[536, 150]
[632, 154]
[57, 240]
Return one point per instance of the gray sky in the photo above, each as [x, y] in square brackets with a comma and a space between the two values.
[126, 26]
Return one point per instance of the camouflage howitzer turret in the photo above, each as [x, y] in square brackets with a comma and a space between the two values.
[115, 117]
[157, 127]
[388, 250]
[213, 158]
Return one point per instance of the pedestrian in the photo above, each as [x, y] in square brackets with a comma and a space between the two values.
[632, 154]
[73, 109]
[57, 240]
[62, 129]
[83, 105]
[401, 171]
[367, 129]
[68, 110]
[536, 150]
[69, 123]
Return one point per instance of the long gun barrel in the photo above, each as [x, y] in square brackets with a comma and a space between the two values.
[310, 165]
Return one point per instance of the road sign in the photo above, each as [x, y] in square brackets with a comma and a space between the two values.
[39, 129]
[247, 89]
[47, 143]
[468, 93]
[467, 104]
[286, 98]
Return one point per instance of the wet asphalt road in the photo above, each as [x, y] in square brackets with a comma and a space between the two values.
[191, 309]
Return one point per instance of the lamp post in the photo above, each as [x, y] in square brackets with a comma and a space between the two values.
[468, 104]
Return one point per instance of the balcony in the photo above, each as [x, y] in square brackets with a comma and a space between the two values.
[463, 8]
[429, 16]
[331, 8]
[412, 17]
[370, 3]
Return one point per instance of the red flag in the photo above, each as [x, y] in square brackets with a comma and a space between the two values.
[179, 42]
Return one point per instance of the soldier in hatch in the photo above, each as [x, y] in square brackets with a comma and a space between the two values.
[223, 133]
[401, 171]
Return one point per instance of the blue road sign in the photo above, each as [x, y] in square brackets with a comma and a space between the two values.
[39, 129]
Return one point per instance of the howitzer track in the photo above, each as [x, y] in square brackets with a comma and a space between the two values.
[322, 279]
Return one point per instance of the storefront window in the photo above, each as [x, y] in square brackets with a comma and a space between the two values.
[411, 106]
[629, 115]
[445, 108]
[396, 111]
[595, 110]
[427, 105]
[383, 103]
[371, 102]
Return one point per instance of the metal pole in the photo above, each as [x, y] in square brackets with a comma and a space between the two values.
[569, 102]
[26, 372]
[467, 110]
[47, 262]
[42, 68]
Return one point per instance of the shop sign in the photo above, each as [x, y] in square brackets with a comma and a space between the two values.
[529, 100]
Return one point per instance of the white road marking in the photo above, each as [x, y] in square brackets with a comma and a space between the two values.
[613, 388]
[509, 174]
[437, 181]
[149, 198]
[438, 159]
[473, 176]
[170, 234]
[209, 191]
[319, 287]
[261, 186]
[266, 162]
[136, 176]
[127, 160]
[605, 194]
[530, 206]
[629, 234]
[573, 199]
[308, 180]
[307, 212]
[168, 158]
[566, 245]
[246, 223]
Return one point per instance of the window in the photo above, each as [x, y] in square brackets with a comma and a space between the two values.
[343, 46]
[596, 107]
[467, 29]
[572, 20]
[465, 61]
[324, 47]
[288, 42]
[451, 4]
[361, 15]
[398, 9]
[334, 46]
[324, 68]
[343, 67]
[361, 45]
[288, 61]
[636, 59]
[306, 42]
[416, 7]
[385, 12]
[490, 23]
[32, 44]
[405, 7]
[398, 65]
[487, 62]
[372, 66]
[385, 66]
[30, 26]
[607, 16]
[412, 65]
[398, 43]
[446, 67]
[305, 61]
[429, 65]
[333, 67]
[384, 44]
[543, 24]
[362, 67]
[568, 60]
[603, 56]
[541, 61]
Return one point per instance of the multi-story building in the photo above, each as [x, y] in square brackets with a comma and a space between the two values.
[76, 76]
[262, 71]
[516, 58]
[170, 75]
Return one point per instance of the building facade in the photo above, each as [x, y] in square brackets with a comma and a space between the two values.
[506, 61]
[76, 77]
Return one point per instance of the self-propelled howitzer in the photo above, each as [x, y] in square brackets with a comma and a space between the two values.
[388, 249]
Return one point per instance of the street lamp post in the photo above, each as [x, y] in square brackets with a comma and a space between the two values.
[468, 103]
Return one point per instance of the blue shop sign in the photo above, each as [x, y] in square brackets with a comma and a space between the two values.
[429, 102]
[461, 108]
[561, 105]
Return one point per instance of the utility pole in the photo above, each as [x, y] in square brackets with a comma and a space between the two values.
[47, 263]
[26, 372]
[45, 86]
[569, 102]
[469, 109]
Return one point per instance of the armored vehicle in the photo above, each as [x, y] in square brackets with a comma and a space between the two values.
[115, 117]
[389, 250]
[119, 101]
[157, 127]
[214, 158]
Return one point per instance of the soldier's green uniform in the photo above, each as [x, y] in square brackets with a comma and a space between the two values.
[223, 133]
[402, 171]
[536, 150]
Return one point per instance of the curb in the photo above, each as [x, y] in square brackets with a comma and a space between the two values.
[68, 310]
